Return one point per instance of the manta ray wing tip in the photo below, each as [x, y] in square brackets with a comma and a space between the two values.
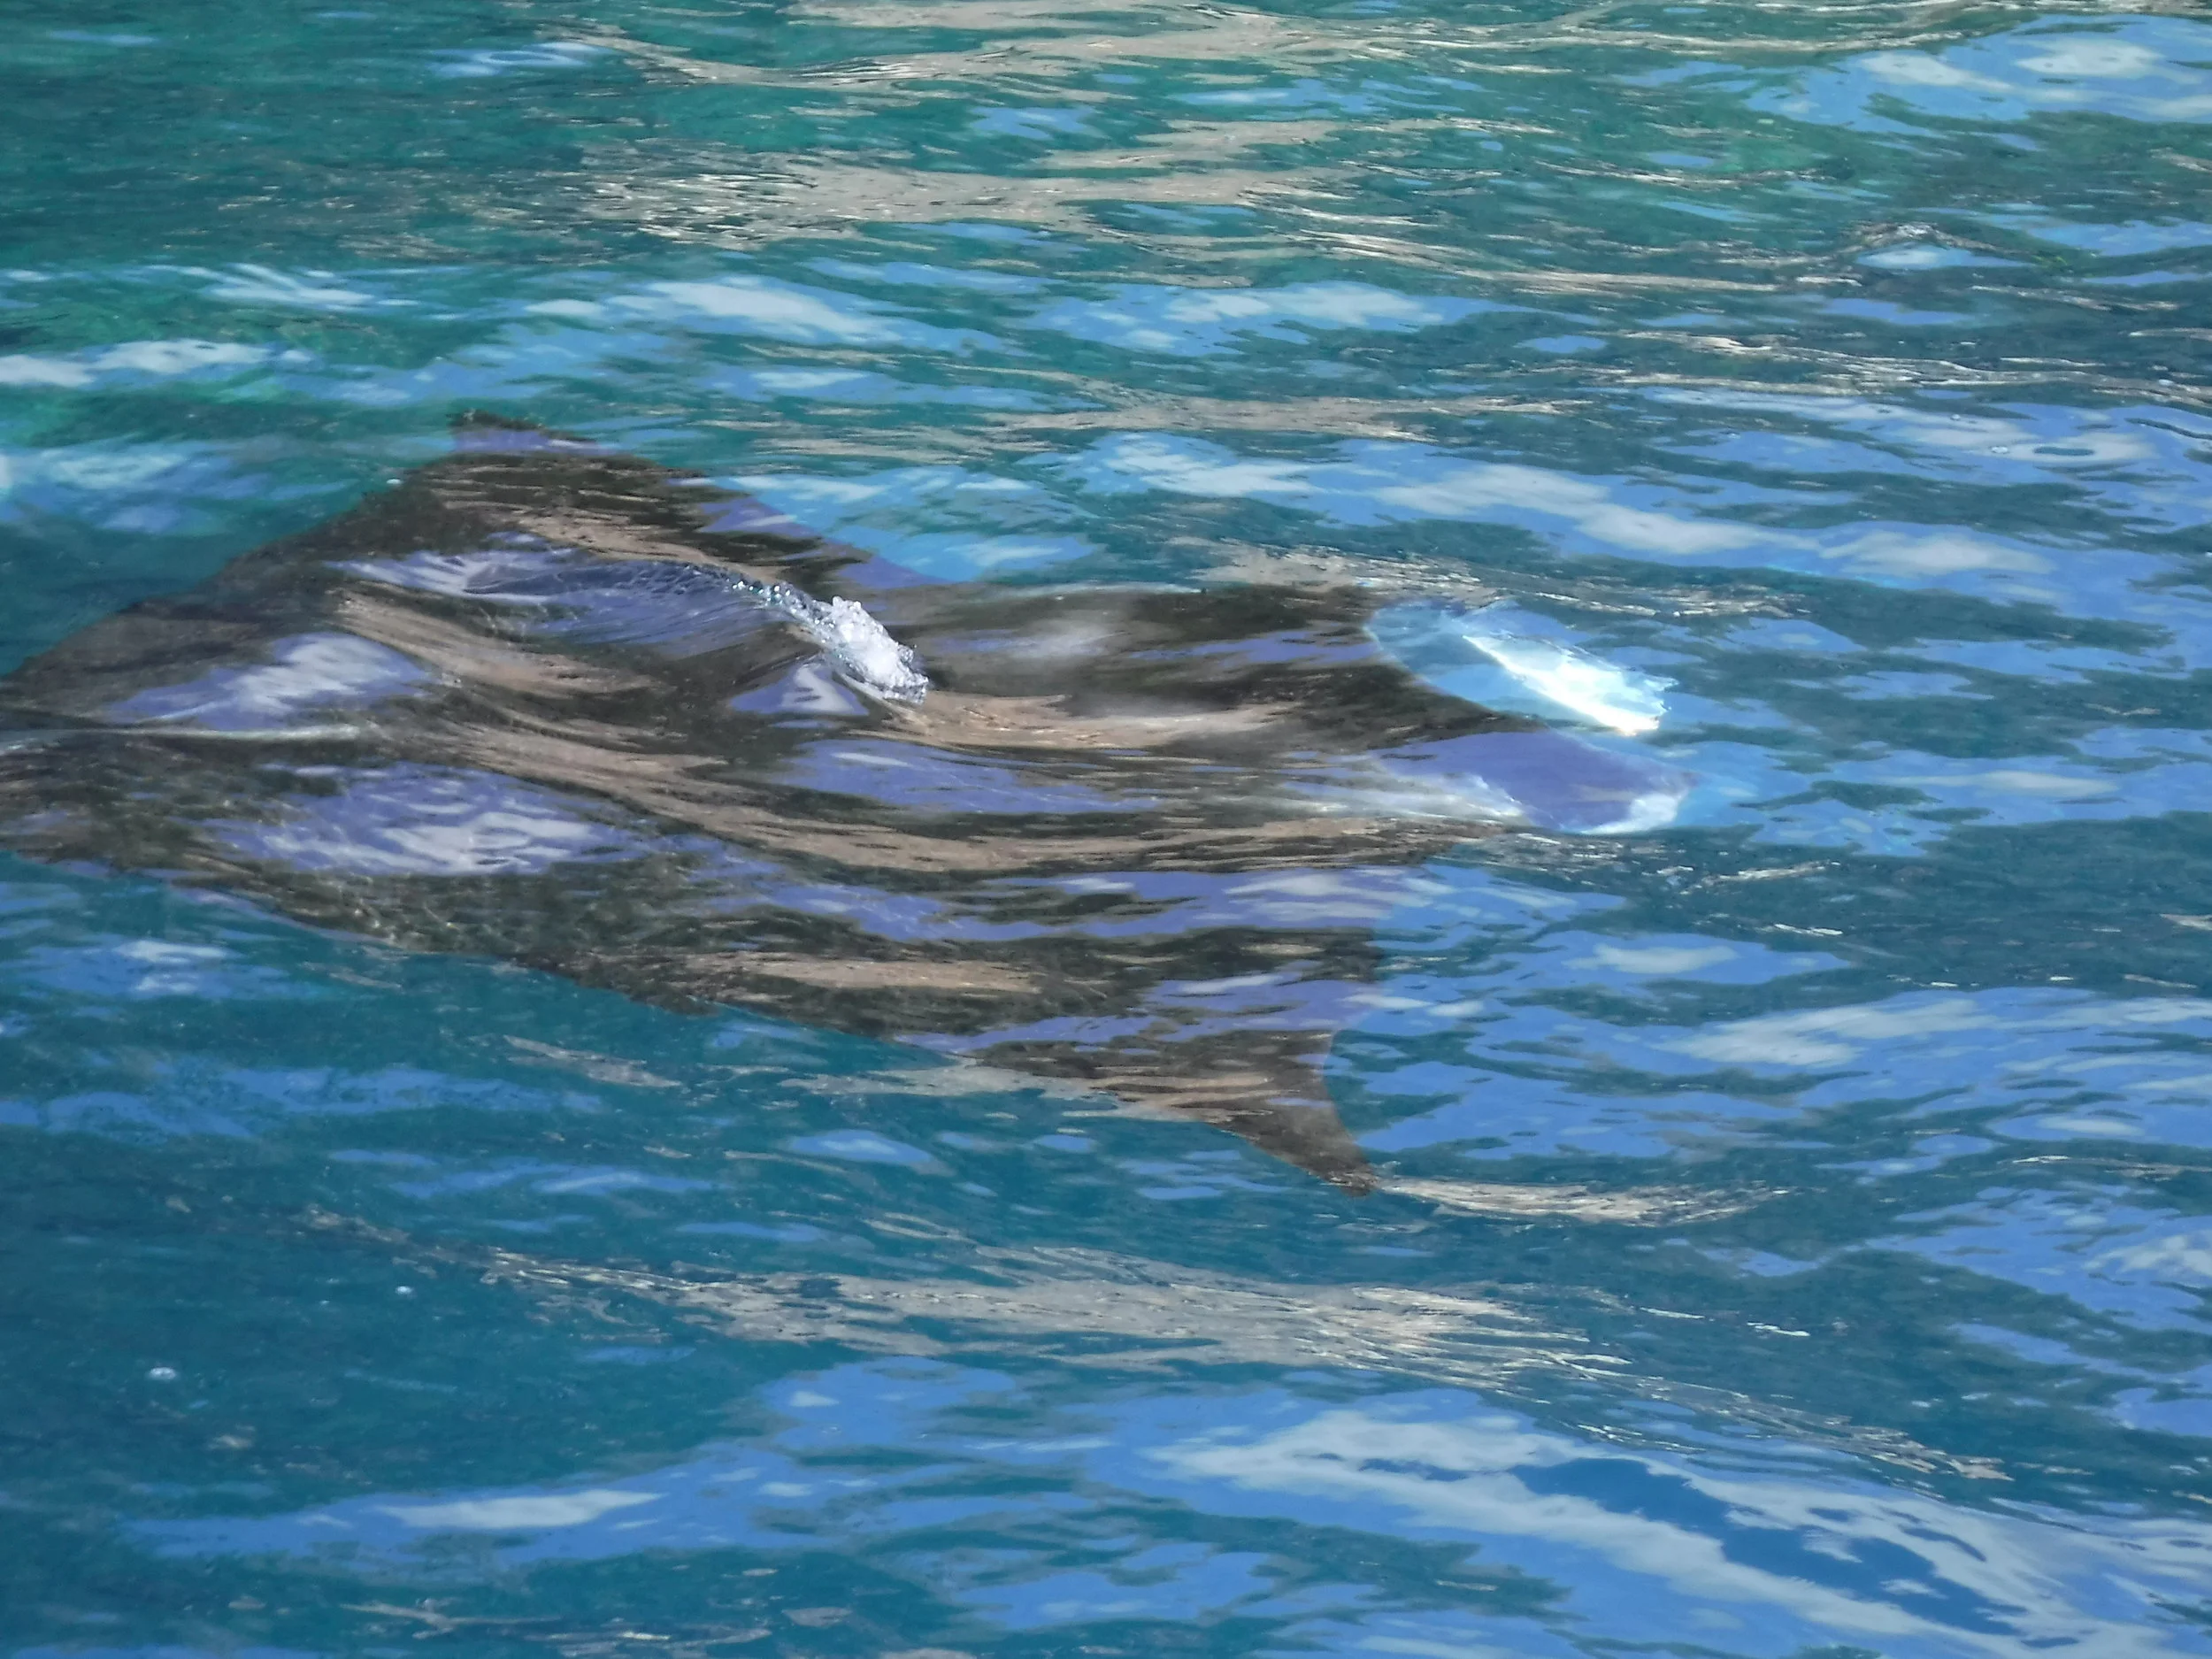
[468, 420]
[478, 430]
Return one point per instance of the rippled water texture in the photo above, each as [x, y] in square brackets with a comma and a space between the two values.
[1789, 1228]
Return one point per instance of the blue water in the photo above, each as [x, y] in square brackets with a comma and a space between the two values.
[1803, 1209]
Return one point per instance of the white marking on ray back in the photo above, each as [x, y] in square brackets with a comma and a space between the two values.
[309, 671]
[454, 575]
[410, 820]
[1600, 692]
[1651, 811]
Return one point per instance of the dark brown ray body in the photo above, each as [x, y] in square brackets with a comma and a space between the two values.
[1083, 855]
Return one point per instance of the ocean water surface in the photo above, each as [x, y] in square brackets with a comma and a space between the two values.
[1796, 1214]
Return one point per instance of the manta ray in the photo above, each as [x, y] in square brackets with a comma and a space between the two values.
[545, 702]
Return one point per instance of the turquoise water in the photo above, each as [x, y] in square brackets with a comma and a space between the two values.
[1802, 1209]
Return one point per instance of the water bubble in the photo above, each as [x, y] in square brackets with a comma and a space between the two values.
[162, 1373]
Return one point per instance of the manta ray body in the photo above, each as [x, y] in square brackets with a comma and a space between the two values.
[543, 702]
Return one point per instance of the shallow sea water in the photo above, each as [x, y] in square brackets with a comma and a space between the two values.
[1820, 1210]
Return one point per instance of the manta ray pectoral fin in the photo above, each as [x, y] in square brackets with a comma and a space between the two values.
[1262, 1086]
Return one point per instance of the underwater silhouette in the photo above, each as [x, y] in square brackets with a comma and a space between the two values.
[545, 702]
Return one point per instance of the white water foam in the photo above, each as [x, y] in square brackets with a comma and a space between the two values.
[854, 641]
